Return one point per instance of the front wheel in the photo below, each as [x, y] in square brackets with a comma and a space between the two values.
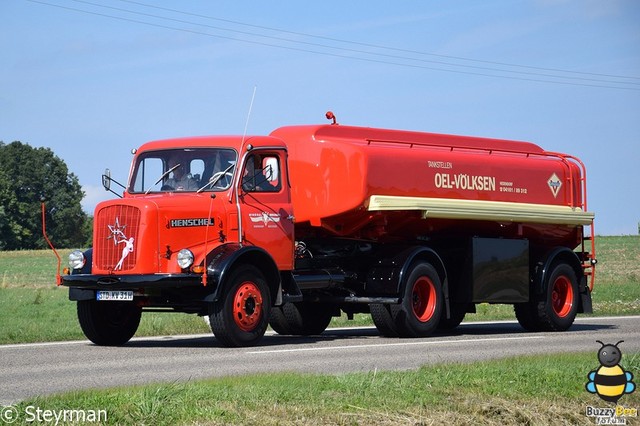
[241, 315]
[108, 323]
[419, 312]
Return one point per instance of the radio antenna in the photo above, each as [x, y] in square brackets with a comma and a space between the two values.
[238, 178]
[246, 125]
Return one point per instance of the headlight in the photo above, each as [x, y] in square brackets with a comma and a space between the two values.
[185, 258]
[76, 259]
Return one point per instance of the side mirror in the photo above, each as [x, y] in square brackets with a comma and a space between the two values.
[270, 170]
[106, 180]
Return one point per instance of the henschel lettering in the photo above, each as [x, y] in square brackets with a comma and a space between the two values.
[183, 223]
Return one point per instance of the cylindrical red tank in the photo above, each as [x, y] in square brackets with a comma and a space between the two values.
[344, 171]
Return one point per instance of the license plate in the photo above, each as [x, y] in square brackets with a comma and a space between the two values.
[114, 295]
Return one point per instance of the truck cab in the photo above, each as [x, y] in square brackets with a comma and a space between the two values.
[192, 211]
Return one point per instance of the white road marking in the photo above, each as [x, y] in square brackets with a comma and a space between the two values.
[382, 345]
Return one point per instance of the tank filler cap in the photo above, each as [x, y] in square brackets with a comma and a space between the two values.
[331, 116]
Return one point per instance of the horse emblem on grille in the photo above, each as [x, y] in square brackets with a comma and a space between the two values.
[118, 236]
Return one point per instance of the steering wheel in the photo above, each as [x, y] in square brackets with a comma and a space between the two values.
[223, 178]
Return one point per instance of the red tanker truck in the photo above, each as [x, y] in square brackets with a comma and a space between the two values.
[293, 228]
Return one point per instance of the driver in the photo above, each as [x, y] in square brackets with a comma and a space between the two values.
[180, 180]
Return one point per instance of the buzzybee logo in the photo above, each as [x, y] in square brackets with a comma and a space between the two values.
[610, 382]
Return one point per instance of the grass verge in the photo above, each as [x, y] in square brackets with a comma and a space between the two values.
[533, 390]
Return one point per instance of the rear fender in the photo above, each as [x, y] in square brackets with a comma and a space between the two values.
[223, 259]
[543, 270]
[389, 274]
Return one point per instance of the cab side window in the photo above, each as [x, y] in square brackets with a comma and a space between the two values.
[262, 173]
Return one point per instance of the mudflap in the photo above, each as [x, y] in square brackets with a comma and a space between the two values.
[586, 306]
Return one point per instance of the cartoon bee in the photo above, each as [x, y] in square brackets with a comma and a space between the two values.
[610, 381]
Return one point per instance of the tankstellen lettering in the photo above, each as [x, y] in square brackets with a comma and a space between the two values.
[440, 164]
[465, 181]
[184, 223]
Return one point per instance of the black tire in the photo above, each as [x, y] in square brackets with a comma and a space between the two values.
[526, 316]
[457, 314]
[558, 307]
[306, 319]
[108, 323]
[421, 308]
[381, 315]
[278, 321]
[241, 315]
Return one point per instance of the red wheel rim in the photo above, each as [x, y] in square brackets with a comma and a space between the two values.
[424, 299]
[562, 296]
[247, 306]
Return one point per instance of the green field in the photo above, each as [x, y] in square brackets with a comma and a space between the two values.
[33, 309]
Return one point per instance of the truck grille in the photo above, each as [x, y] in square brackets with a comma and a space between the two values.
[116, 237]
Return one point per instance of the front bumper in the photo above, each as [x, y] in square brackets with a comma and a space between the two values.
[181, 292]
[131, 282]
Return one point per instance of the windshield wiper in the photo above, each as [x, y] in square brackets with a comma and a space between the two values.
[216, 177]
[161, 177]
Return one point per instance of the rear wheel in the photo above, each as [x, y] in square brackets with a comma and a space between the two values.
[108, 323]
[381, 315]
[419, 312]
[558, 308]
[457, 313]
[278, 321]
[240, 317]
[526, 316]
[306, 319]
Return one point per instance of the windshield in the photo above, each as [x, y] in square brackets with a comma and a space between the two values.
[185, 170]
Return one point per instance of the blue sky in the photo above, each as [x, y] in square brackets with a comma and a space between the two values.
[92, 82]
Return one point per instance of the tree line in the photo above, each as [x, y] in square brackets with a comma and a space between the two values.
[29, 176]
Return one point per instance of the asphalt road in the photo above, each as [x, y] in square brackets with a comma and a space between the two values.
[43, 368]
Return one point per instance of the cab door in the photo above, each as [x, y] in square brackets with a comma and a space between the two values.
[265, 205]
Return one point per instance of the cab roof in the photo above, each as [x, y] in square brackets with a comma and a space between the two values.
[229, 141]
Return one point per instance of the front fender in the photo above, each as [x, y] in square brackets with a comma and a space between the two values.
[226, 257]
